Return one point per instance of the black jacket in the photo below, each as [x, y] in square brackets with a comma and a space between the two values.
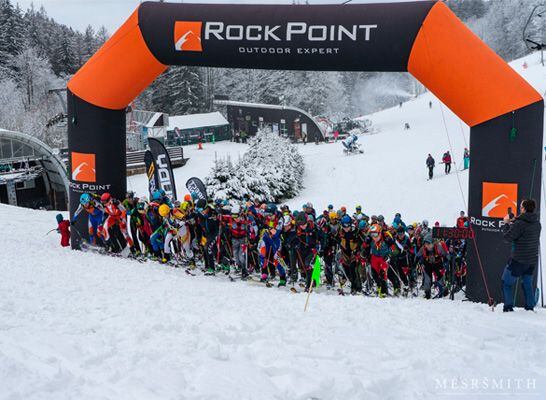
[524, 235]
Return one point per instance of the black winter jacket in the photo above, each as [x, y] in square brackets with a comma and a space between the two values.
[524, 235]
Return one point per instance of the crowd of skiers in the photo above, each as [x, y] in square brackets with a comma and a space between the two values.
[447, 161]
[365, 253]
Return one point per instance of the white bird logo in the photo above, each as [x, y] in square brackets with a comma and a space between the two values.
[79, 169]
[495, 203]
[180, 43]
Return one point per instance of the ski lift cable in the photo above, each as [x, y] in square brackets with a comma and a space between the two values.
[490, 300]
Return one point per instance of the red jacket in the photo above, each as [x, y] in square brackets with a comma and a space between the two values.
[64, 229]
[447, 159]
[461, 221]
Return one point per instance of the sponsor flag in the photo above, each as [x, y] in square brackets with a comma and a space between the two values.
[164, 170]
[151, 172]
[197, 189]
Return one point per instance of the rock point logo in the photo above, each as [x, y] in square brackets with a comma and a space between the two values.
[187, 36]
[497, 198]
[83, 167]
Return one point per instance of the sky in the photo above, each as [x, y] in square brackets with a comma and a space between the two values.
[112, 13]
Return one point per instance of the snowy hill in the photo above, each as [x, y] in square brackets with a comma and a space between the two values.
[82, 326]
[79, 325]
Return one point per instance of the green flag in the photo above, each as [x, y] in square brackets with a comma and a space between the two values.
[315, 276]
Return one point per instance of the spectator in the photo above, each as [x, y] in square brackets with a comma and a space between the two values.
[466, 158]
[462, 220]
[446, 159]
[523, 233]
[430, 166]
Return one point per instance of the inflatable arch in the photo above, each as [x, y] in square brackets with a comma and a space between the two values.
[424, 38]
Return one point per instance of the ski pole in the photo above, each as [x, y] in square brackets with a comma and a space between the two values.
[54, 229]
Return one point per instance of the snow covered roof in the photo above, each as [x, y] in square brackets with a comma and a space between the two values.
[196, 121]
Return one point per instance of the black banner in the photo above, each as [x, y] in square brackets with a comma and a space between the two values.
[151, 172]
[163, 167]
[197, 189]
[353, 37]
[506, 167]
[97, 158]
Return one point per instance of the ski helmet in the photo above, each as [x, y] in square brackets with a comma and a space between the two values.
[425, 223]
[142, 207]
[301, 219]
[156, 195]
[85, 198]
[130, 194]
[330, 207]
[59, 218]
[380, 218]
[200, 204]
[187, 197]
[271, 208]
[333, 216]
[164, 210]
[105, 198]
[358, 208]
[346, 221]
[362, 224]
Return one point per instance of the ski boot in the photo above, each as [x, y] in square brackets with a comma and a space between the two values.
[166, 258]
[282, 282]
[226, 269]
[263, 278]
[210, 272]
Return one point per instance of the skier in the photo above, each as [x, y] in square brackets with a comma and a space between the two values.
[268, 249]
[379, 252]
[397, 222]
[63, 227]
[207, 232]
[238, 228]
[430, 166]
[130, 204]
[349, 244]
[329, 245]
[432, 256]
[446, 160]
[95, 213]
[466, 158]
[400, 259]
[116, 216]
[350, 144]
[306, 246]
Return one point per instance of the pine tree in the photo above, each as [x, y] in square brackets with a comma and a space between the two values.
[12, 31]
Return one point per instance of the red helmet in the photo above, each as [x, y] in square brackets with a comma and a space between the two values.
[105, 198]
[187, 197]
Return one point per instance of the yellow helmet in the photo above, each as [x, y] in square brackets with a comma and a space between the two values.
[333, 215]
[164, 210]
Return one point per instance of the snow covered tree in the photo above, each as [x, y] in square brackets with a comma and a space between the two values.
[270, 170]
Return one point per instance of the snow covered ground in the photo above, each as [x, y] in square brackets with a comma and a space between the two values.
[83, 326]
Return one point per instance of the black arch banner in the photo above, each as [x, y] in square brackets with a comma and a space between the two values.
[424, 38]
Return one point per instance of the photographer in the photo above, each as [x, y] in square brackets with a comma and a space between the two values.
[523, 233]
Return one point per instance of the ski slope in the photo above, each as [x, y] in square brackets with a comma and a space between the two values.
[83, 326]
[391, 175]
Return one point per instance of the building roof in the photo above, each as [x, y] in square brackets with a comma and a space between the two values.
[196, 121]
[35, 149]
